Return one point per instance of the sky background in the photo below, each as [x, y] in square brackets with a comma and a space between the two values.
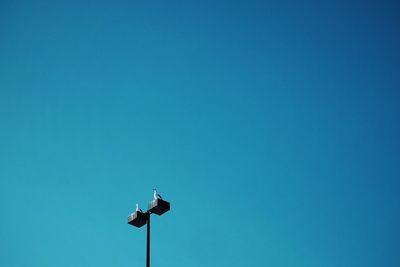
[272, 127]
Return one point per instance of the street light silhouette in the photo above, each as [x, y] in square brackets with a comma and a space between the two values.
[138, 218]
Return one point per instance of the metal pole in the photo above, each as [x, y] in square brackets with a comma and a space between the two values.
[148, 241]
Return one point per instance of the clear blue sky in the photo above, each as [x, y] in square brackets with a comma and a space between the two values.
[271, 127]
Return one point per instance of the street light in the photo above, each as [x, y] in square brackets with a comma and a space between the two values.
[138, 218]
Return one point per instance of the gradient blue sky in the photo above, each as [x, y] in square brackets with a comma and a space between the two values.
[271, 127]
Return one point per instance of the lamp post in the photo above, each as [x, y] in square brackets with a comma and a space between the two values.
[157, 206]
